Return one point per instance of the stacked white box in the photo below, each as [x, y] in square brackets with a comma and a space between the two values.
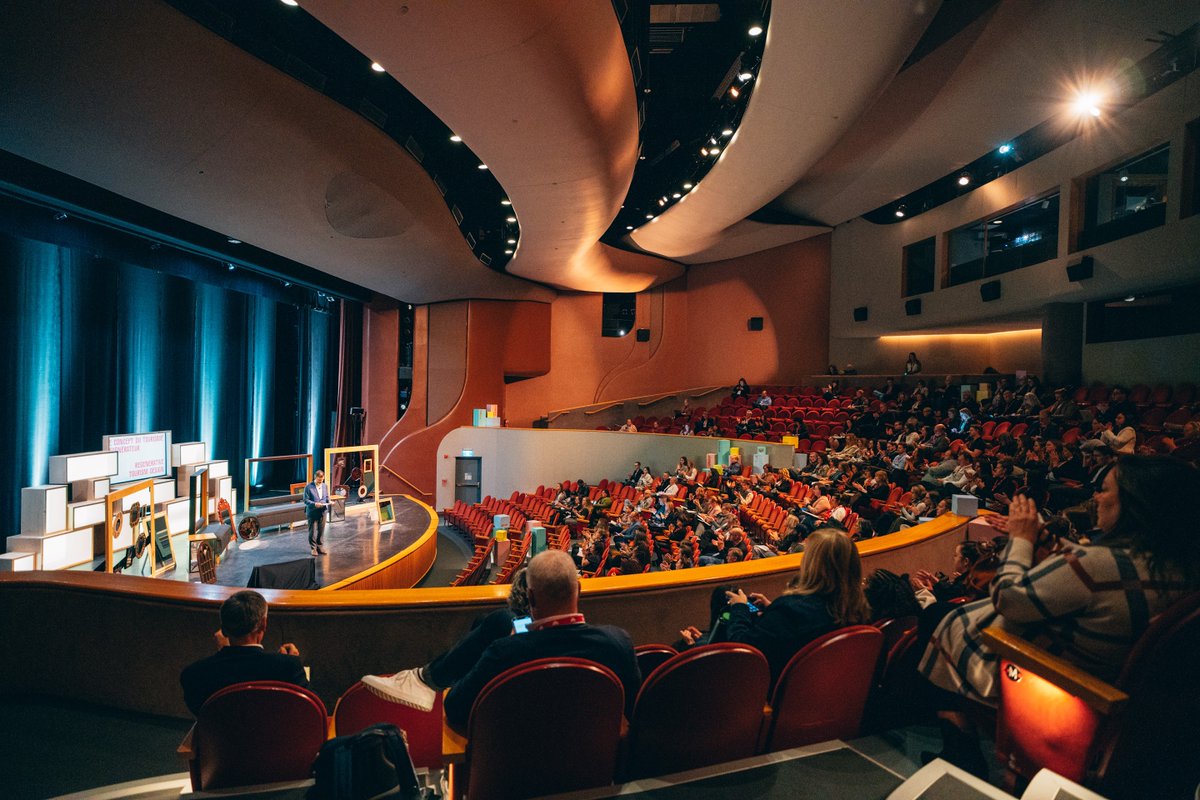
[184, 473]
[43, 509]
[83, 514]
[89, 489]
[55, 550]
[164, 490]
[188, 453]
[81, 466]
[17, 562]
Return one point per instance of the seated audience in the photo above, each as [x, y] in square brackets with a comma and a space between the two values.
[240, 656]
[1083, 604]
[557, 630]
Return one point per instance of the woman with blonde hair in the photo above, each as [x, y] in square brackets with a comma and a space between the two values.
[825, 595]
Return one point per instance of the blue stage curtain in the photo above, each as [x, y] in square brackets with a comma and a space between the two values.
[98, 346]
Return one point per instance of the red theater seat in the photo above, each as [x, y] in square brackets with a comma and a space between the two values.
[357, 708]
[549, 726]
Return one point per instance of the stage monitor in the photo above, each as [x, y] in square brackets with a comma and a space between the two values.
[140, 455]
[164, 557]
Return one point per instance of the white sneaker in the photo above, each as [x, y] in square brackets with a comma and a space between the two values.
[404, 687]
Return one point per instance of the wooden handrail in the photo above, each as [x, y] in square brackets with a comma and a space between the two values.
[653, 400]
[1098, 694]
[596, 410]
[418, 489]
[703, 390]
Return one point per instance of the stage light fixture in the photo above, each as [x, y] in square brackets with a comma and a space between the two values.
[508, 252]
[733, 91]
[60, 216]
[286, 284]
[712, 151]
[964, 179]
[628, 227]
[454, 137]
[649, 216]
[745, 76]
[755, 30]
[230, 267]
[482, 166]
[290, 2]
[688, 185]
[512, 241]
[231, 240]
[506, 202]
[676, 195]
[375, 65]
[901, 211]
[1004, 149]
[510, 219]
[997, 221]
[662, 202]
[703, 151]
[727, 132]
[1087, 103]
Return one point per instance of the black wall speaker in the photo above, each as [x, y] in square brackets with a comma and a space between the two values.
[643, 334]
[1081, 271]
[913, 307]
[989, 291]
[754, 324]
[860, 314]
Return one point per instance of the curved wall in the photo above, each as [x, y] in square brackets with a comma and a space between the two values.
[122, 641]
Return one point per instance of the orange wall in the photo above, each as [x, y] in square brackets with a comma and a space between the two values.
[943, 353]
[698, 333]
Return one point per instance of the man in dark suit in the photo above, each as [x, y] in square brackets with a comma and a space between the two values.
[558, 630]
[241, 657]
[316, 501]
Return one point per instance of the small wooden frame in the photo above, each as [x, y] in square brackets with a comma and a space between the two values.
[387, 512]
[308, 460]
[370, 455]
[110, 502]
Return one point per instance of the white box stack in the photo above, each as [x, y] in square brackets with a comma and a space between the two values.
[188, 453]
[43, 509]
[89, 489]
[82, 466]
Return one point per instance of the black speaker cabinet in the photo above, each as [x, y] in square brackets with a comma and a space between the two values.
[913, 307]
[643, 334]
[754, 324]
[1081, 271]
[989, 291]
[860, 314]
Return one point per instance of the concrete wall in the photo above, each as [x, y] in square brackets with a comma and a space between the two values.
[1168, 359]
[521, 459]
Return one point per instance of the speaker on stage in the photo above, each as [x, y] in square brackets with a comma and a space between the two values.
[298, 574]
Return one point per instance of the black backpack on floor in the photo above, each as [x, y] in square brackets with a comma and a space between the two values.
[373, 763]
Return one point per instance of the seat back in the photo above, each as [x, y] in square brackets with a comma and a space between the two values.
[651, 656]
[357, 708]
[257, 732]
[675, 730]
[563, 715]
[822, 692]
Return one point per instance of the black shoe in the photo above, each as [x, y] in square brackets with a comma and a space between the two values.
[322, 550]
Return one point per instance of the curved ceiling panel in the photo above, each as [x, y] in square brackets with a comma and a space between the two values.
[542, 91]
[138, 99]
[824, 64]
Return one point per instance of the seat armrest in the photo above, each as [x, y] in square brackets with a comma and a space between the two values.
[1102, 697]
[185, 750]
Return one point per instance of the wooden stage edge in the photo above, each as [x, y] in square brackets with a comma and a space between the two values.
[405, 569]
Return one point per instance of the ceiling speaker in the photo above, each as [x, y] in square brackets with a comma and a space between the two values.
[754, 323]
[1081, 271]
[860, 314]
[643, 334]
[913, 307]
[989, 291]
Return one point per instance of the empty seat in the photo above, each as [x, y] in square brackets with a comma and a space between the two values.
[357, 708]
[702, 707]
[548, 726]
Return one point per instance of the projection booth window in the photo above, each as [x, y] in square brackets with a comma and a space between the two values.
[1004, 242]
[617, 314]
[1125, 199]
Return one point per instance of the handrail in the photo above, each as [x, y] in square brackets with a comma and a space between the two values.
[421, 541]
[418, 489]
[610, 403]
[596, 410]
[652, 401]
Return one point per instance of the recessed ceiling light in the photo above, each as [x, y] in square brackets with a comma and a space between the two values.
[231, 267]
[712, 151]
[454, 137]
[703, 151]
[662, 202]
[287, 283]
[688, 185]
[727, 132]
[628, 227]
[755, 30]
[510, 219]
[900, 211]
[375, 65]
[512, 241]
[641, 158]
[506, 202]
[712, 140]
[649, 216]
[733, 91]
[508, 252]
[964, 179]
[1130, 299]
[482, 166]
[231, 240]
[290, 2]
[745, 76]
[997, 221]
[676, 195]
[1005, 149]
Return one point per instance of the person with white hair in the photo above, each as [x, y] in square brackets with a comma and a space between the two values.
[558, 630]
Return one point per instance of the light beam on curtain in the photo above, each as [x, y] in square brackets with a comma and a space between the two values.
[39, 345]
[260, 362]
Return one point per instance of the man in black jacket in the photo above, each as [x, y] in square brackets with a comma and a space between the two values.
[241, 657]
[557, 630]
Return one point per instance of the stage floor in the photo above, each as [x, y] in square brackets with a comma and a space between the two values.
[353, 545]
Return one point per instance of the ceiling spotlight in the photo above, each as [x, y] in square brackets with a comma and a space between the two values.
[506, 202]
[662, 202]
[482, 166]
[997, 221]
[676, 195]
[290, 2]
[733, 91]
[964, 179]
[727, 132]
[512, 241]
[60, 216]
[649, 216]
[703, 151]
[745, 76]
[231, 240]
[712, 140]
[641, 158]
[628, 227]
[712, 151]
[1130, 299]
[900, 211]
[688, 185]
[375, 65]
[1004, 149]
[287, 284]
[755, 30]
[510, 219]
[508, 252]
[230, 267]
[454, 137]
[1124, 176]
[1087, 103]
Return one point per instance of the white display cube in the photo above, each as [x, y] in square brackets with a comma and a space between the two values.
[43, 509]
[89, 512]
[81, 466]
[89, 489]
[56, 550]
[164, 490]
[17, 562]
[183, 453]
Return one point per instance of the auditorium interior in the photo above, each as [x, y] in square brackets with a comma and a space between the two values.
[459, 255]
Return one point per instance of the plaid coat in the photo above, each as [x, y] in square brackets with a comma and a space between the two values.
[1088, 605]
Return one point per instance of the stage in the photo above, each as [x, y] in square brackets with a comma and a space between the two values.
[354, 546]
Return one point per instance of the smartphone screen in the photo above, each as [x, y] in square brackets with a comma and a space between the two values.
[521, 624]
